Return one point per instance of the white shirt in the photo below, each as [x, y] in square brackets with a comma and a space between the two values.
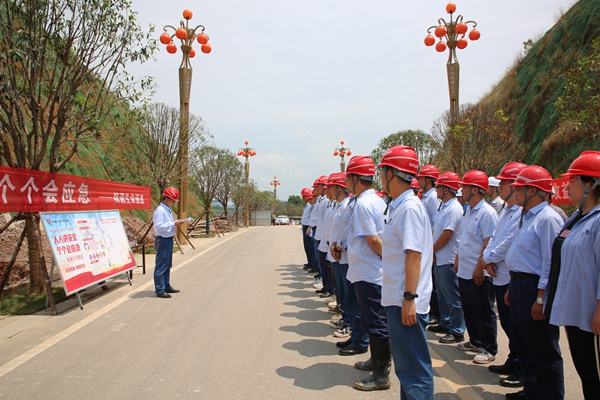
[449, 218]
[431, 203]
[406, 228]
[306, 214]
[162, 219]
[336, 226]
[495, 252]
[327, 221]
[321, 208]
[497, 204]
[366, 220]
[478, 224]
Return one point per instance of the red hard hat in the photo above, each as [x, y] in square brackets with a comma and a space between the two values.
[534, 176]
[305, 191]
[171, 193]
[309, 195]
[337, 179]
[322, 180]
[402, 158]
[415, 184]
[587, 164]
[510, 171]
[476, 178]
[361, 165]
[429, 171]
[449, 179]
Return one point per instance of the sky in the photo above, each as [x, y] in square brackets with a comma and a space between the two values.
[294, 78]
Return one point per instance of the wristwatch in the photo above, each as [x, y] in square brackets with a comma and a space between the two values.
[539, 300]
[410, 296]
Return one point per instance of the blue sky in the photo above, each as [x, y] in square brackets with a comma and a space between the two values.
[294, 78]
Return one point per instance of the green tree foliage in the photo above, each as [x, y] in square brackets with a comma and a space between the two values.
[481, 139]
[62, 82]
[580, 102]
[296, 200]
[425, 146]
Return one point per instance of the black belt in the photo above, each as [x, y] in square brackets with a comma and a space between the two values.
[523, 275]
[166, 238]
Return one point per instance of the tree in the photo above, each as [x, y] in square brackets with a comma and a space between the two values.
[243, 195]
[482, 139]
[296, 200]
[233, 177]
[425, 146]
[62, 82]
[210, 167]
[153, 152]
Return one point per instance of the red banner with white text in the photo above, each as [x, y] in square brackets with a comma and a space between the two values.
[560, 191]
[25, 190]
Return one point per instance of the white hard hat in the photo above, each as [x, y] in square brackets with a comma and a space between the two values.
[493, 181]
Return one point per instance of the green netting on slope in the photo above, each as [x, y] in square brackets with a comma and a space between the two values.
[540, 76]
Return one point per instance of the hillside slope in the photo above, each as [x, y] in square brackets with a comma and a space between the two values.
[528, 92]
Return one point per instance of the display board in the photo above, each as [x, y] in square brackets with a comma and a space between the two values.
[88, 246]
[559, 186]
[25, 190]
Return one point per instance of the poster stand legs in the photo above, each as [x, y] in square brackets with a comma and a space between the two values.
[101, 284]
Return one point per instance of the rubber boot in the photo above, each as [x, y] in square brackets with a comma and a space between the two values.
[382, 361]
[364, 365]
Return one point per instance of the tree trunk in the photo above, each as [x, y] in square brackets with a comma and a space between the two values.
[36, 276]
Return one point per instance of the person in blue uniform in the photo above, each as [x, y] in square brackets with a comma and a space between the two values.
[164, 230]
[574, 288]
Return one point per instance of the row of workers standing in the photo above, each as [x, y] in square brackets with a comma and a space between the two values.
[515, 252]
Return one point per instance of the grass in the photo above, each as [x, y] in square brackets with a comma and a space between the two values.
[21, 303]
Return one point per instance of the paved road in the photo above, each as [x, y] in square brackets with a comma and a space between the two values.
[246, 325]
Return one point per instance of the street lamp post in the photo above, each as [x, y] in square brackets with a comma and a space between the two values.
[186, 35]
[454, 32]
[247, 152]
[342, 151]
[275, 183]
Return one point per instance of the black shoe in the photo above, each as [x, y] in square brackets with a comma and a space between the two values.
[312, 271]
[317, 275]
[172, 290]
[326, 294]
[512, 381]
[343, 344]
[164, 295]
[450, 338]
[438, 329]
[517, 396]
[306, 265]
[433, 321]
[320, 291]
[352, 350]
[503, 369]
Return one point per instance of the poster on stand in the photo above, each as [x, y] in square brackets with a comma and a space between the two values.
[88, 246]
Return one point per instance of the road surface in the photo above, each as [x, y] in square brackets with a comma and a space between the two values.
[246, 325]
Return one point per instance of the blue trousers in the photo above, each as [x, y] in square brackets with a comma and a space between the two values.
[359, 337]
[308, 248]
[412, 361]
[451, 312]
[340, 289]
[537, 344]
[163, 264]
[373, 314]
[480, 318]
[505, 322]
[326, 272]
[315, 244]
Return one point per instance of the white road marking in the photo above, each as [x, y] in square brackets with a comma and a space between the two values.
[28, 355]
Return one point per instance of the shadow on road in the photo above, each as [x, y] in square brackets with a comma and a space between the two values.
[307, 315]
[143, 294]
[310, 329]
[322, 376]
[306, 304]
